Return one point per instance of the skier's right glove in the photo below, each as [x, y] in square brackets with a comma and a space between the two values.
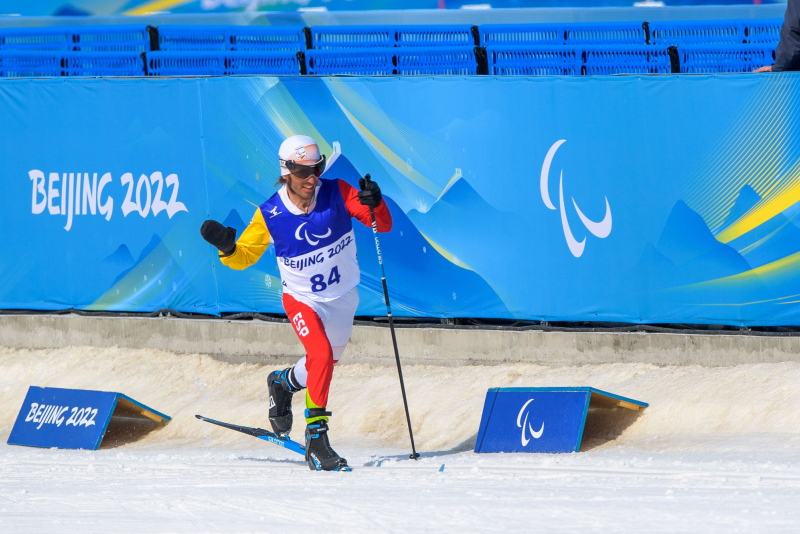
[370, 194]
[221, 237]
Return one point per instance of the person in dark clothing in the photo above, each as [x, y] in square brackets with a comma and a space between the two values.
[787, 56]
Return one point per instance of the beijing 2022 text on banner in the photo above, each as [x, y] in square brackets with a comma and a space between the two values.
[624, 198]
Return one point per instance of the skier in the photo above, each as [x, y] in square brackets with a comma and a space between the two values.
[309, 220]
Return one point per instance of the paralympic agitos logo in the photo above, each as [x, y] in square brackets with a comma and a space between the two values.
[600, 229]
[526, 426]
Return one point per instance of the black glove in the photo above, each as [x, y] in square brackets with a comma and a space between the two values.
[219, 236]
[370, 194]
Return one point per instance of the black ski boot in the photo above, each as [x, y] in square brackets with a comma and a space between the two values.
[319, 454]
[282, 386]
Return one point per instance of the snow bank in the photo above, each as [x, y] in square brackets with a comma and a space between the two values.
[445, 402]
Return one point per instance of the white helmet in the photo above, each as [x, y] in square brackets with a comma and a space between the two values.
[299, 150]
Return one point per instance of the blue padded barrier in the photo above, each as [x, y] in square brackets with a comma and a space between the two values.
[60, 63]
[699, 59]
[276, 63]
[330, 37]
[119, 38]
[563, 33]
[229, 38]
[452, 60]
[568, 60]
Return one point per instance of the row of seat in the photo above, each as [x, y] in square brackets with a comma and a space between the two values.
[594, 60]
[139, 38]
[519, 60]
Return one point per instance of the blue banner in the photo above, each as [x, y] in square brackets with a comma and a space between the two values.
[625, 198]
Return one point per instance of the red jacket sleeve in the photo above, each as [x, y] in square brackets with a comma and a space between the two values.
[361, 212]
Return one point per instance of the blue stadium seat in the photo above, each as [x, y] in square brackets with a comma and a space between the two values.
[118, 38]
[570, 60]
[671, 33]
[707, 59]
[763, 30]
[17, 63]
[563, 33]
[606, 33]
[631, 59]
[211, 63]
[358, 62]
[715, 31]
[23, 63]
[533, 60]
[452, 60]
[229, 38]
[330, 37]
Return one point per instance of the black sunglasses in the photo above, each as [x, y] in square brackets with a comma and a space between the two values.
[304, 171]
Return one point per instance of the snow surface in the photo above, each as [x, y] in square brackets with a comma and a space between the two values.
[717, 451]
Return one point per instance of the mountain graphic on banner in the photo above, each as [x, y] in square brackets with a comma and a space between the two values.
[154, 242]
[154, 282]
[409, 256]
[241, 194]
[688, 243]
[120, 260]
[653, 270]
[772, 240]
[685, 253]
[462, 195]
[460, 212]
[745, 199]
[234, 220]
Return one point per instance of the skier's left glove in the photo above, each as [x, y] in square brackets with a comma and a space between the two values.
[221, 237]
[370, 194]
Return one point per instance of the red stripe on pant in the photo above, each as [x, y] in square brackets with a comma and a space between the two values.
[319, 355]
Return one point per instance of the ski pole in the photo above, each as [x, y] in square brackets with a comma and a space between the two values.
[414, 454]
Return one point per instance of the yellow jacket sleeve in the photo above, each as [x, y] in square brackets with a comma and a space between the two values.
[250, 245]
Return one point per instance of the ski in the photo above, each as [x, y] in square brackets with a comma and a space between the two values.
[259, 433]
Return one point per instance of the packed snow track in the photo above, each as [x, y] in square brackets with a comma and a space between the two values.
[718, 450]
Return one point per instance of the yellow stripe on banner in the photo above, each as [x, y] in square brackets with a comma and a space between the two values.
[779, 267]
[733, 304]
[766, 209]
[156, 5]
[394, 160]
[750, 248]
[450, 257]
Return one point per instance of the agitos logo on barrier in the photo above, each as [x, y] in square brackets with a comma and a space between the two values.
[600, 229]
[535, 434]
[78, 194]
